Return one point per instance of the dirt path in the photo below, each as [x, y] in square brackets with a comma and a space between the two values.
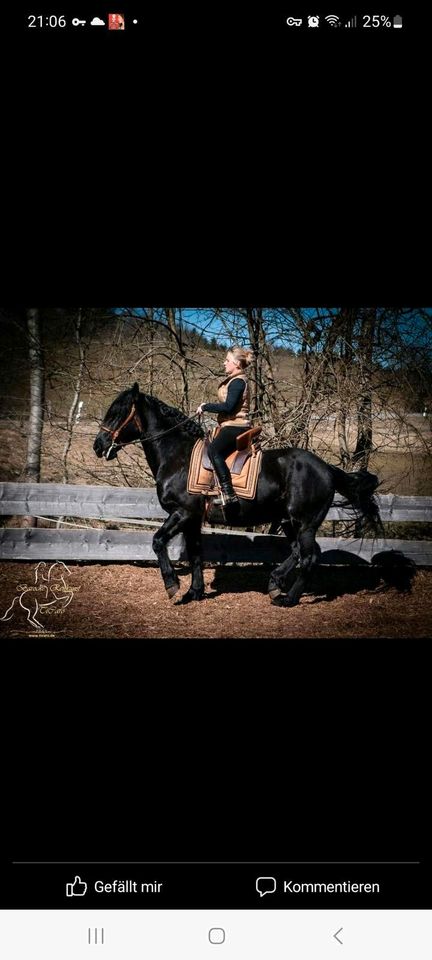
[120, 600]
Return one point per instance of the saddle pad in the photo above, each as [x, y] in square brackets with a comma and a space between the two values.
[244, 471]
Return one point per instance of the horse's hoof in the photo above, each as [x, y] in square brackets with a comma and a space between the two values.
[171, 591]
[192, 595]
[278, 601]
[284, 601]
[276, 592]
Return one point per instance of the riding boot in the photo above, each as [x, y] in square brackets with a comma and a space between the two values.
[228, 496]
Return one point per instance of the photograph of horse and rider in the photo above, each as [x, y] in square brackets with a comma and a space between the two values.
[216, 472]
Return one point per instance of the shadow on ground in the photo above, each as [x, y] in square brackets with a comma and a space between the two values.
[338, 573]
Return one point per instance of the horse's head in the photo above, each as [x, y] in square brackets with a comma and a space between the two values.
[122, 424]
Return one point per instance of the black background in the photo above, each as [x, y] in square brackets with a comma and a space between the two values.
[215, 166]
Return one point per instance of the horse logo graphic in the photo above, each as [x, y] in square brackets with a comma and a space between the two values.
[36, 600]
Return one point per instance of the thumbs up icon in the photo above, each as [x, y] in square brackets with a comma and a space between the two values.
[76, 889]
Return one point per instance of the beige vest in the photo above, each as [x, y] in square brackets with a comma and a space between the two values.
[240, 416]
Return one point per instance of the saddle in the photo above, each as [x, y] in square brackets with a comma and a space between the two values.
[244, 465]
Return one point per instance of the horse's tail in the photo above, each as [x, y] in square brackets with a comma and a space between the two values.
[358, 489]
[9, 612]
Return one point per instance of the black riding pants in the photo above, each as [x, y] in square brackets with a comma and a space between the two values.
[221, 447]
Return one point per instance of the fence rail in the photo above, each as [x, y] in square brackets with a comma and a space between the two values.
[131, 503]
[96, 502]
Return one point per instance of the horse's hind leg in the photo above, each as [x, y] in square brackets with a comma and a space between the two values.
[280, 573]
[192, 534]
[31, 617]
[309, 556]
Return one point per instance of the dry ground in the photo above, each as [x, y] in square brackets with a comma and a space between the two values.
[120, 600]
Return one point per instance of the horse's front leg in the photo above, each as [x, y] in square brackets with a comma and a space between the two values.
[174, 524]
[192, 533]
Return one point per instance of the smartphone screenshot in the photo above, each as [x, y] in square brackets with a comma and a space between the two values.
[215, 483]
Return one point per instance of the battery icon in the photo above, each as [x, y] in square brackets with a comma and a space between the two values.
[397, 21]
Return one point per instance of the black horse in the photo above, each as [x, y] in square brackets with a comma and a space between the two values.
[295, 491]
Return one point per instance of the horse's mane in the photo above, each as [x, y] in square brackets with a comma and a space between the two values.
[120, 407]
[172, 413]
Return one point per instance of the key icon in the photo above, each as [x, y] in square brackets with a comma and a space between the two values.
[78, 23]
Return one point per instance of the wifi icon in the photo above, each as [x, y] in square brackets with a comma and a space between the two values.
[333, 20]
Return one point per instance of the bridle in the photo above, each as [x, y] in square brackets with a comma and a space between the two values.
[134, 415]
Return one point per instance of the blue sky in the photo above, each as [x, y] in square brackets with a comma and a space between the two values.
[282, 329]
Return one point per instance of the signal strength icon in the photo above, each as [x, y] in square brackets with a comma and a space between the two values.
[333, 20]
[351, 23]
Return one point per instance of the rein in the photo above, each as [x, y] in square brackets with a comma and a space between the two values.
[134, 415]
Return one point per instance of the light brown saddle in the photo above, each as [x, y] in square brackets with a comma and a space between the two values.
[244, 465]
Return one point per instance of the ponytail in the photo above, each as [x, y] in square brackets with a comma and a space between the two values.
[241, 356]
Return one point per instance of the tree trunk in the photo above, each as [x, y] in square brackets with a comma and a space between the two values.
[364, 419]
[342, 435]
[151, 356]
[254, 339]
[71, 419]
[35, 424]
[343, 383]
[182, 363]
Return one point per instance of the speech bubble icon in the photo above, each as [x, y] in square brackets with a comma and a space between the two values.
[265, 885]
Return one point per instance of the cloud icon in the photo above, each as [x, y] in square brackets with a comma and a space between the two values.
[97, 22]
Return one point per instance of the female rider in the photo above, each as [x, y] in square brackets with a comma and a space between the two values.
[233, 418]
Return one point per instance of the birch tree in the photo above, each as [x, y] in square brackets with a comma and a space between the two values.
[73, 413]
[36, 414]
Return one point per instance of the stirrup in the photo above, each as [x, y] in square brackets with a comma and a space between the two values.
[226, 497]
[230, 501]
[220, 501]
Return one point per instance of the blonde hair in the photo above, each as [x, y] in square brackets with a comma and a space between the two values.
[241, 356]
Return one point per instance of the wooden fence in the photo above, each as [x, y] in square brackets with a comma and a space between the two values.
[141, 506]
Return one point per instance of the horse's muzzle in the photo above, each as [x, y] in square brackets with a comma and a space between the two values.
[111, 453]
[104, 447]
[98, 447]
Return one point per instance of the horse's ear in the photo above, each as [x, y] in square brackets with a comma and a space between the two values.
[135, 392]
